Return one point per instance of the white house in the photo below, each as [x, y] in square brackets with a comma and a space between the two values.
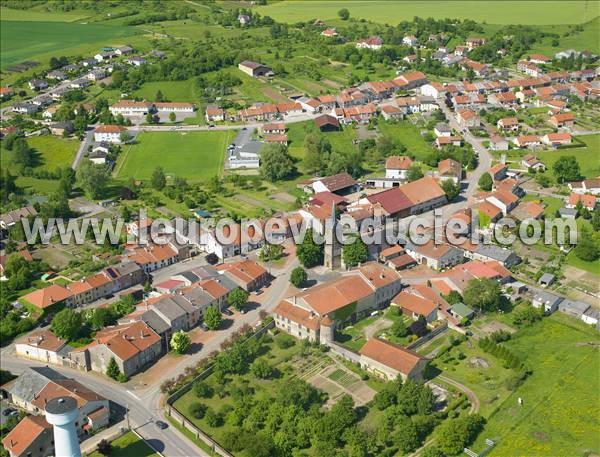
[109, 133]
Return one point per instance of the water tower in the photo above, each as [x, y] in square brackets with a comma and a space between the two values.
[61, 413]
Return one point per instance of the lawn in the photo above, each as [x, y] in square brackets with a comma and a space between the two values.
[52, 152]
[560, 399]
[196, 156]
[9, 14]
[128, 445]
[495, 12]
[587, 156]
[174, 91]
[29, 40]
[409, 135]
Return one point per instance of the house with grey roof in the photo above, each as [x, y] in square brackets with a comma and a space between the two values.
[484, 252]
[546, 300]
[592, 317]
[574, 308]
[546, 279]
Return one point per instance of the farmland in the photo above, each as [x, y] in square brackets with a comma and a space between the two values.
[560, 406]
[196, 156]
[23, 40]
[495, 12]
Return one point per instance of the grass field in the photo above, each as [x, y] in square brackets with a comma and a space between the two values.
[409, 135]
[386, 12]
[560, 399]
[587, 39]
[196, 156]
[9, 14]
[53, 152]
[587, 156]
[128, 445]
[28, 40]
[174, 91]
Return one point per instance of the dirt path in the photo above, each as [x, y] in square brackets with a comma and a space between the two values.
[379, 324]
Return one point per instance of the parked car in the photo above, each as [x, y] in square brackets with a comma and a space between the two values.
[9, 411]
[227, 312]
[204, 327]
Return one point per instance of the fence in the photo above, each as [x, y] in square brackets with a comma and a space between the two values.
[172, 411]
[344, 352]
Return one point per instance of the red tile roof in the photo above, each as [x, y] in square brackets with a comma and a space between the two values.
[398, 162]
[24, 433]
[414, 303]
[391, 355]
[48, 296]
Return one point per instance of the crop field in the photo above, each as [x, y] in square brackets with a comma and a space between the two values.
[560, 399]
[494, 12]
[52, 152]
[196, 156]
[9, 14]
[28, 40]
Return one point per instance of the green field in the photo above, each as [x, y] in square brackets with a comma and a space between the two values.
[174, 91]
[196, 156]
[388, 12]
[52, 152]
[407, 134]
[29, 40]
[9, 14]
[560, 399]
[128, 445]
[586, 156]
[587, 39]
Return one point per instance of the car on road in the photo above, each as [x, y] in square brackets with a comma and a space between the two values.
[160, 424]
[227, 312]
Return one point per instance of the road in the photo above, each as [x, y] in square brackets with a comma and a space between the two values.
[83, 147]
[142, 413]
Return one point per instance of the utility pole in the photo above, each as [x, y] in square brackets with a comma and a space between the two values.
[127, 415]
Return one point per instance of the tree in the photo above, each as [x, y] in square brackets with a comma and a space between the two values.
[587, 247]
[298, 276]
[180, 342]
[483, 294]
[197, 410]
[149, 118]
[450, 188]
[99, 318]
[432, 451]
[344, 14]
[172, 116]
[212, 418]
[566, 169]
[309, 253]
[275, 162]
[271, 252]
[355, 252]
[261, 369]
[158, 180]
[104, 447]
[66, 324]
[19, 271]
[596, 219]
[414, 173]
[112, 369]
[486, 182]
[238, 298]
[212, 318]
[159, 96]
[92, 178]
[455, 434]
[399, 329]
[202, 389]
[123, 306]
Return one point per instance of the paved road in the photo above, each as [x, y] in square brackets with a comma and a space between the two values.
[142, 413]
[87, 140]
